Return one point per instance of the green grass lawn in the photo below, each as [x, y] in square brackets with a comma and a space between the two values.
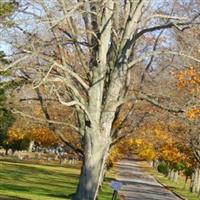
[42, 182]
[177, 187]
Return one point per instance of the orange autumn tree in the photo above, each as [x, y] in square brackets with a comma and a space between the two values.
[144, 148]
[148, 143]
[41, 135]
[152, 141]
[155, 142]
[189, 79]
[33, 106]
[117, 153]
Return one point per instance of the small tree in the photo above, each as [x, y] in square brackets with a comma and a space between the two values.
[6, 116]
[6, 120]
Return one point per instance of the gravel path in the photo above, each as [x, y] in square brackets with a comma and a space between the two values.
[138, 184]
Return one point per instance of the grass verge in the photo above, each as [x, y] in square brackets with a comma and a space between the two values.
[42, 182]
[176, 187]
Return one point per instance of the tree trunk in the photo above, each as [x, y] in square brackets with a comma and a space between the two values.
[155, 164]
[6, 151]
[13, 151]
[190, 185]
[195, 180]
[185, 182]
[170, 175]
[151, 163]
[103, 175]
[198, 181]
[175, 176]
[92, 171]
[31, 144]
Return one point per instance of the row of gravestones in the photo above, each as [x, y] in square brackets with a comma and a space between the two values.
[63, 158]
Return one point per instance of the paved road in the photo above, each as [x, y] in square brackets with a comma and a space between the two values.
[138, 184]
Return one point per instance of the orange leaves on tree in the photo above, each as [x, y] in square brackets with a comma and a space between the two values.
[115, 155]
[15, 135]
[119, 151]
[190, 80]
[156, 142]
[41, 135]
[194, 112]
[170, 153]
[144, 148]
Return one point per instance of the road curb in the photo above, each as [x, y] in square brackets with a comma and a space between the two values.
[166, 187]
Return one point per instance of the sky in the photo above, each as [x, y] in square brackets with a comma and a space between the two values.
[28, 23]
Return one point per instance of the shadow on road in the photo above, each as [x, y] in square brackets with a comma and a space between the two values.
[139, 184]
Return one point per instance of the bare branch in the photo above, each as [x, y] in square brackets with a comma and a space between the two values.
[45, 77]
[13, 64]
[151, 100]
[181, 25]
[66, 68]
[132, 21]
[40, 120]
[164, 52]
[74, 103]
[36, 99]
[69, 84]
[168, 17]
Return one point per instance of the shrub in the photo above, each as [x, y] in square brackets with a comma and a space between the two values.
[163, 168]
[188, 172]
[179, 166]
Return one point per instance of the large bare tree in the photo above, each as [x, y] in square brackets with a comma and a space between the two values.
[83, 52]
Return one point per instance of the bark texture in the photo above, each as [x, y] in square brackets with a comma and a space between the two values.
[92, 170]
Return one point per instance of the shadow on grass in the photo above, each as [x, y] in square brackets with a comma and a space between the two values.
[38, 191]
[69, 196]
[11, 198]
[38, 163]
[51, 182]
[41, 181]
[108, 179]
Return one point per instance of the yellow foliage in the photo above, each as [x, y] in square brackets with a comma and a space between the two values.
[193, 113]
[43, 136]
[154, 142]
[190, 80]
